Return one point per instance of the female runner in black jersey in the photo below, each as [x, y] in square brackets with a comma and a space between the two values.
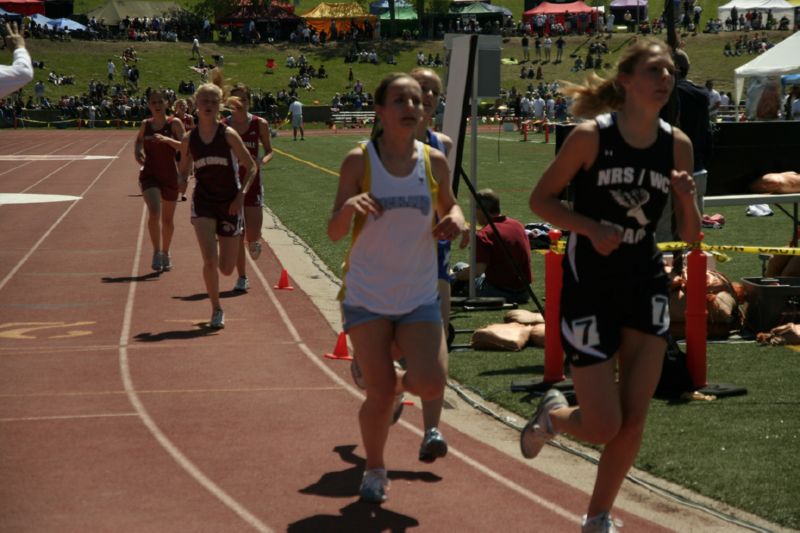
[622, 166]
[219, 192]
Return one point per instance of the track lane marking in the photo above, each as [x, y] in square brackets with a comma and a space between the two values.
[133, 397]
[55, 224]
[477, 465]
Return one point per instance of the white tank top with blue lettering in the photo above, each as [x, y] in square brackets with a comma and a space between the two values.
[390, 268]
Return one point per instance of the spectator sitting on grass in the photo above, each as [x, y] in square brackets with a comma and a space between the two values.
[321, 72]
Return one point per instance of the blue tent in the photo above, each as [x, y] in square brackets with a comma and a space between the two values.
[8, 15]
[382, 6]
[41, 20]
[67, 24]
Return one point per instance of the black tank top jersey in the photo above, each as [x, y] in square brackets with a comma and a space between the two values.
[628, 188]
[215, 167]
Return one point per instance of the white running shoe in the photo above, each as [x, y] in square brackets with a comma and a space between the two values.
[255, 249]
[217, 319]
[600, 523]
[166, 262]
[374, 485]
[539, 429]
[433, 446]
[242, 284]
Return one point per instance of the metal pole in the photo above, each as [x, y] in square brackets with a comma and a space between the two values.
[474, 174]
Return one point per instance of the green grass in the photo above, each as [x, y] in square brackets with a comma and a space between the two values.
[740, 450]
[164, 64]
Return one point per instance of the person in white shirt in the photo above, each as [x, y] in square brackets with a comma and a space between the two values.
[111, 68]
[13, 77]
[296, 112]
[714, 101]
[538, 108]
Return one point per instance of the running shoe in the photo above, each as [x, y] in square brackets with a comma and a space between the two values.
[600, 523]
[217, 319]
[166, 262]
[433, 446]
[374, 485]
[242, 284]
[183, 197]
[358, 377]
[255, 249]
[156, 264]
[539, 429]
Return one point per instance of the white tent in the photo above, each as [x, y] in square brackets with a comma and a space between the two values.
[783, 58]
[779, 8]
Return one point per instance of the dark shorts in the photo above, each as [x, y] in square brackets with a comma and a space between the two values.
[593, 315]
[255, 194]
[227, 225]
[167, 187]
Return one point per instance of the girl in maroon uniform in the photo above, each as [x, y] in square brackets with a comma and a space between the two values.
[182, 113]
[154, 150]
[215, 152]
[252, 129]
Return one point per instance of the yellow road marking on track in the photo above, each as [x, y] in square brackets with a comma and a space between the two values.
[20, 330]
[309, 163]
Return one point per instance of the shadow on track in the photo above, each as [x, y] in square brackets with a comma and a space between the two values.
[128, 279]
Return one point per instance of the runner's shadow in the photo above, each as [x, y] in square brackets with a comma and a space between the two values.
[128, 279]
[201, 330]
[345, 483]
[204, 296]
[358, 516]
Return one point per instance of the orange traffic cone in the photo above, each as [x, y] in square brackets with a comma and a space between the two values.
[340, 352]
[283, 282]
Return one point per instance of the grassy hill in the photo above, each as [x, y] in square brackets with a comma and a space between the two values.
[164, 64]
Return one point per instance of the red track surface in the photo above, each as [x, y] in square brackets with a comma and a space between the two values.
[120, 413]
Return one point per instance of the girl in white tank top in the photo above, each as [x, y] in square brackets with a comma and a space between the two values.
[390, 188]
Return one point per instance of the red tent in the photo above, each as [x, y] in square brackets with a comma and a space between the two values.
[23, 7]
[559, 10]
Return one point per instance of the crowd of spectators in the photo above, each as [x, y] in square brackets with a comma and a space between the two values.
[748, 44]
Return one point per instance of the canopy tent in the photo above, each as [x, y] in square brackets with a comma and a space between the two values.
[23, 7]
[478, 8]
[382, 6]
[67, 24]
[560, 10]
[41, 20]
[262, 12]
[619, 7]
[322, 17]
[783, 58]
[779, 8]
[9, 15]
[400, 13]
[114, 11]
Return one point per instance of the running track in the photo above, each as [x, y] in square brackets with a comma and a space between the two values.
[119, 412]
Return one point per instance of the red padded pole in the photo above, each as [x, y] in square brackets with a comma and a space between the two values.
[553, 351]
[696, 319]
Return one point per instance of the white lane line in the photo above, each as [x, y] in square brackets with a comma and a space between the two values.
[172, 391]
[69, 163]
[47, 157]
[27, 147]
[53, 226]
[65, 417]
[11, 198]
[144, 416]
[480, 467]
